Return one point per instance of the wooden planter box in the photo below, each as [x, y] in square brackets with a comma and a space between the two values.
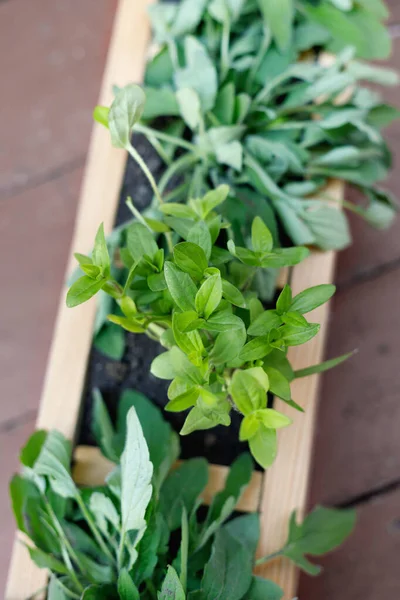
[283, 487]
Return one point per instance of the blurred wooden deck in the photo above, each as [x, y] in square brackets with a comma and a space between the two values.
[51, 59]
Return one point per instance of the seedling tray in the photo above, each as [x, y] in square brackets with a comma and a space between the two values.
[276, 493]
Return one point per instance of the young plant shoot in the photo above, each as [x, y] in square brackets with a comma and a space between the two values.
[224, 352]
[119, 540]
[274, 124]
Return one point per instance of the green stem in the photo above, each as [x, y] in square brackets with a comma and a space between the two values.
[225, 62]
[184, 549]
[184, 161]
[264, 559]
[67, 551]
[260, 55]
[92, 526]
[165, 137]
[136, 213]
[136, 157]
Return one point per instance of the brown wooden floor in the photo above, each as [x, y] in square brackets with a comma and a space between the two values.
[51, 58]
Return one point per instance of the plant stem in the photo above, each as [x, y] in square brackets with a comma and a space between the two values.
[260, 55]
[67, 551]
[136, 157]
[184, 549]
[225, 62]
[96, 533]
[264, 559]
[136, 213]
[165, 137]
[184, 161]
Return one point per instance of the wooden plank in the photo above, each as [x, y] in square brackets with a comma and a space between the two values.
[91, 468]
[286, 482]
[61, 399]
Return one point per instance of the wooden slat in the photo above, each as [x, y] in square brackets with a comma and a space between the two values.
[91, 468]
[61, 399]
[286, 482]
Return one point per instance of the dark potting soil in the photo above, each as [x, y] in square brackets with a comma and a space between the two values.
[219, 445]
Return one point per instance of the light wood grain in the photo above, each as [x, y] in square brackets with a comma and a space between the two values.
[61, 399]
[91, 468]
[286, 482]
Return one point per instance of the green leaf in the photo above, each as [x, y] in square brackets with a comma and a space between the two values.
[157, 432]
[261, 237]
[249, 427]
[171, 588]
[189, 107]
[312, 297]
[125, 111]
[223, 320]
[232, 294]
[263, 446]
[54, 462]
[180, 286]
[110, 341]
[127, 590]
[47, 561]
[292, 335]
[209, 296]
[175, 363]
[227, 575]
[83, 289]
[214, 198]
[187, 17]
[191, 259]
[190, 343]
[182, 487]
[227, 346]
[136, 474]
[272, 419]
[256, 349]
[284, 301]
[20, 489]
[247, 393]
[323, 530]
[32, 448]
[101, 257]
[102, 427]
[100, 592]
[160, 102]
[100, 114]
[238, 478]
[278, 384]
[324, 366]
[263, 589]
[278, 16]
[140, 241]
[198, 420]
[264, 323]
[199, 234]
[104, 513]
[199, 73]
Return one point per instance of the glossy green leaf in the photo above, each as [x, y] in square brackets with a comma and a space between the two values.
[263, 446]
[312, 297]
[209, 296]
[83, 289]
[191, 259]
[180, 286]
[247, 393]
